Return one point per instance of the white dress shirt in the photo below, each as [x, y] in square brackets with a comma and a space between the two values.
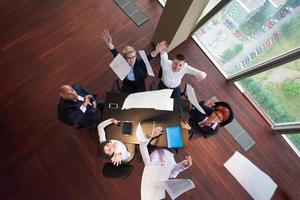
[120, 146]
[172, 79]
[161, 157]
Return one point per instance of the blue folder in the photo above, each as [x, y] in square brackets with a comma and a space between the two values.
[174, 137]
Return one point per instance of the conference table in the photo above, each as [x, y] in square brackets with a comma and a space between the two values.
[147, 118]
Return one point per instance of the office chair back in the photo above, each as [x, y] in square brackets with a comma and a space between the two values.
[116, 172]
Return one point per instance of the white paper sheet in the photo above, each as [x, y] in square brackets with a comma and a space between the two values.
[153, 182]
[258, 184]
[158, 99]
[192, 98]
[120, 66]
[147, 63]
[140, 133]
[175, 187]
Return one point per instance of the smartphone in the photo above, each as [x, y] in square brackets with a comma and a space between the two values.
[113, 106]
[127, 127]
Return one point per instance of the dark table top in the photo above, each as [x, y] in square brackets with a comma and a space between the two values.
[145, 116]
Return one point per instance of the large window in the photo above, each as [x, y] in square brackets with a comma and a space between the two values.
[277, 92]
[245, 33]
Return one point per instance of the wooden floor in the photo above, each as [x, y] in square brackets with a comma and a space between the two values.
[48, 43]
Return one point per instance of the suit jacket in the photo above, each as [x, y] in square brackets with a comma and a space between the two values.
[69, 111]
[139, 68]
[197, 116]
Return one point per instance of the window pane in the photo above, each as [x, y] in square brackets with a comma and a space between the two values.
[277, 92]
[295, 139]
[245, 33]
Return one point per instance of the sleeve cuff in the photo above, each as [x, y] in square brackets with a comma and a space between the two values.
[82, 108]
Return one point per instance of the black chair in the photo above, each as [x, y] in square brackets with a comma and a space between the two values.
[152, 85]
[116, 172]
[183, 93]
[79, 127]
[116, 86]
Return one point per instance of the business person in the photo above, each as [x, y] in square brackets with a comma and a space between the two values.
[174, 70]
[162, 156]
[113, 149]
[135, 80]
[217, 114]
[77, 106]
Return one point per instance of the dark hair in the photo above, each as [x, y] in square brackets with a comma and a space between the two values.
[231, 114]
[180, 57]
[101, 152]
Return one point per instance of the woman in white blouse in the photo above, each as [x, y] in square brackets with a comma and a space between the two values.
[114, 149]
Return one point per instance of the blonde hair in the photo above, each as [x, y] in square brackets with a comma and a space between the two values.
[127, 50]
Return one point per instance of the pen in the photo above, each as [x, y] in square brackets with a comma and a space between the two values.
[181, 113]
[153, 126]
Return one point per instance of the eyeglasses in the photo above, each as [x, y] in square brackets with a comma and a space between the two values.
[130, 58]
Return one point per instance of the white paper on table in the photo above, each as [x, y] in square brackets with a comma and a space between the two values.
[120, 66]
[258, 184]
[153, 182]
[140, 133]
[192, 98]
[158, 99]
[147, 63]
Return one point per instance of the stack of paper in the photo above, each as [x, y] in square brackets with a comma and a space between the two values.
[158, 100]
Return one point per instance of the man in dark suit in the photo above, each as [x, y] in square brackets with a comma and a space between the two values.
[78, 107]
[135, 80]
[218, 114]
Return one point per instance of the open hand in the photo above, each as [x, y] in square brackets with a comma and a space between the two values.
[209, 103]
[185, 125]
[188, 162]
[161, 46]
[117, 159]
[107, 38]
[156, 132]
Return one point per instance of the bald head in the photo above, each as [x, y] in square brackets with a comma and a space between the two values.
[68, 93]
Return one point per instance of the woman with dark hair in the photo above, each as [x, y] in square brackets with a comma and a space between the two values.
[113, 149]
[217, 114]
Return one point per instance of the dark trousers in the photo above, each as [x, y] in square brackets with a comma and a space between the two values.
[133, 86]
[176, 91]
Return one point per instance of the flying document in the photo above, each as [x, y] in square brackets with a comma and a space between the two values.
[192, 98]
[120, 66]
[147, 63]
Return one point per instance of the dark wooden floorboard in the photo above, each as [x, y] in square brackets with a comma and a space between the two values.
[48, 43]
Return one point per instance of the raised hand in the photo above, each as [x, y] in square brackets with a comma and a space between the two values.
[209, 103]
[156, 132]
[107, 38]
[185, 125]
[117, 159]
[161, 46]
[188, 162]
